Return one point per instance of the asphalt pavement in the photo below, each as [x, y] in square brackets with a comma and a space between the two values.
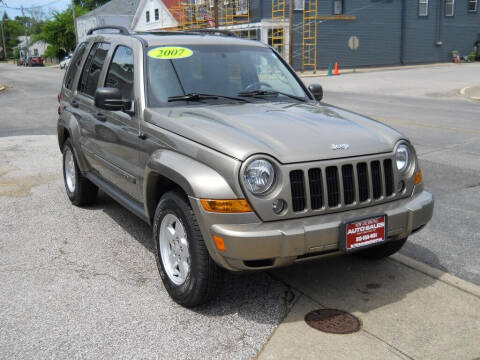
[29, 105]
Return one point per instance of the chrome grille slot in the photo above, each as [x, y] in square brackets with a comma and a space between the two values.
[316, 188]
[388, 171]
[297, 184]
[332, 186]
[376, 179]
[363, 185]
[348, 184]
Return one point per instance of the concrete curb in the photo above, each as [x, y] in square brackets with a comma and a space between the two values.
[323, 72]
[440, 275]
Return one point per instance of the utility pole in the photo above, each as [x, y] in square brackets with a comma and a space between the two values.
[215, 12]
[3, 38]
[26, 32]
[74, 22]
[290, 32]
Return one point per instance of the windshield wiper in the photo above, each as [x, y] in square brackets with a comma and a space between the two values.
[255, 93]
[199, 96]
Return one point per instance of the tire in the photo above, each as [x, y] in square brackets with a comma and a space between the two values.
[383, 251]
[200, 283]
[83, 192]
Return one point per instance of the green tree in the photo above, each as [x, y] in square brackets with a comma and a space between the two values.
[12, 29]
[59, 32]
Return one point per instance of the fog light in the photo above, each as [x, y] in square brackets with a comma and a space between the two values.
[401, 187]
[278, 206]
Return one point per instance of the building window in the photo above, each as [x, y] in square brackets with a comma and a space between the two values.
[241, 7]
[212, 3]
[156, 15]
[472, 5]
[147, 16]
[422, 7]
[337, 7]
[298, 4]
[449, 7]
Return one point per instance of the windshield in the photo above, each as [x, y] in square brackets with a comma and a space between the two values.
[228, 71]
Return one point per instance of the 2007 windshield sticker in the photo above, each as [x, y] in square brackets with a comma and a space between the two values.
[170, 52]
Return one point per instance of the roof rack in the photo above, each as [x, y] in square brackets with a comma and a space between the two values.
[217, 32]
[121, 30]
[227, 33]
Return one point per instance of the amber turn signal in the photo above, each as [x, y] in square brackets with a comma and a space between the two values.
[419, 177]
[226, 206]
[220, 243]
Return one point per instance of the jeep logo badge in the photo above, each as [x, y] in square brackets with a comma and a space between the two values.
[340, 146]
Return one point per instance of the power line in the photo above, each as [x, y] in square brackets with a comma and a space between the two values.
[4, 4]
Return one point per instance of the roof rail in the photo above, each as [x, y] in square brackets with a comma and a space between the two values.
[121, 30]
[227, 33]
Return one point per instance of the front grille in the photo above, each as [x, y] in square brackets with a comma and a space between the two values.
[346, 185]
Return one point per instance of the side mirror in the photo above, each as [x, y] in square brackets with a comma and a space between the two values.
[317, 91]
[109, 99]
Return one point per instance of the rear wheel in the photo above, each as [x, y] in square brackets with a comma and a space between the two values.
[188, 272]
[80, 190]
[382, 251]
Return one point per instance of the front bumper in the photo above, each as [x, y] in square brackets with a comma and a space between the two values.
[265, 245]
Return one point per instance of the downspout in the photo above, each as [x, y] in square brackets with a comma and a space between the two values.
[439, 24]
[403, 32]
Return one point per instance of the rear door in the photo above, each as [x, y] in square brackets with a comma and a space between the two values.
[116, 136]
[84, 103]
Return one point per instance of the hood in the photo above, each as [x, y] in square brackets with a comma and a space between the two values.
[289, 132]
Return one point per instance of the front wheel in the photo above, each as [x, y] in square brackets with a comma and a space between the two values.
[384, 250]
[188, 272]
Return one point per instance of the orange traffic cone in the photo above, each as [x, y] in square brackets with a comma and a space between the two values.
[336, 71]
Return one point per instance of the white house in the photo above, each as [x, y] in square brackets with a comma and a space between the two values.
[115, 12]
[136, 15]
[26, 48]
[154, 15]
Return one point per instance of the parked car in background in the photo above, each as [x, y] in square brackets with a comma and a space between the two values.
[34, 61]
[65, 62]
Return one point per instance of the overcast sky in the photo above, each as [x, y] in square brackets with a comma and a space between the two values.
[12, 6]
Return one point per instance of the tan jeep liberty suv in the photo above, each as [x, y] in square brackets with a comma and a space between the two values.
[215, 142]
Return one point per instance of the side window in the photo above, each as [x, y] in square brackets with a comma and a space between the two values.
[449, 7]
[74, 65]
[92, 69]
[422, 7]
[120, 72]
[338, 7]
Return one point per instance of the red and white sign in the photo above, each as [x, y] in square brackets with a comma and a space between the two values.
[365, 232]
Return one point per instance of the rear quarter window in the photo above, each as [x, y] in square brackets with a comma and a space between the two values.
[74, 65]
[92, 69]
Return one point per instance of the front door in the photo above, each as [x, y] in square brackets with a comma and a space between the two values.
[116, 132]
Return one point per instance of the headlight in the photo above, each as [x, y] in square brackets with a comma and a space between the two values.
[403, 157]
[259, 176]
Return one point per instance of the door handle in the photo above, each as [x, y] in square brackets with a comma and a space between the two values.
[74, 103]
[101, 117]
